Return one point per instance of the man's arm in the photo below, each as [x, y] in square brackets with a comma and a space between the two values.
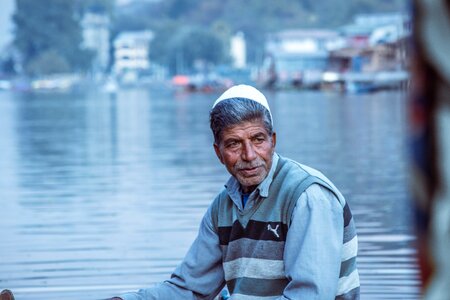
[312, 255]
[200, 274]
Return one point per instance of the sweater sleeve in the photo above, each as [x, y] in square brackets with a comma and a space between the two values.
[313, 246]
[198, 276]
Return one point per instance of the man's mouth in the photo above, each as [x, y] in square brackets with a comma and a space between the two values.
[247, 172]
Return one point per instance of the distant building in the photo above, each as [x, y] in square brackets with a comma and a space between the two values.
[131, 53]
[299, 57]
[96, 37]
[371, 29]
[374, 42]
[238, 50]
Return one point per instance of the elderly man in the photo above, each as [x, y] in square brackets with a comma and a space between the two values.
[279, 229]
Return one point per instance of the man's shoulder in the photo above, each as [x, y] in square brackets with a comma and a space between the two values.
[294, 170]
[295, 165]
[300, 168]
[306, 176]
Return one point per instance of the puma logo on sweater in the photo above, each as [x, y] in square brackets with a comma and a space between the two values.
[274, 230]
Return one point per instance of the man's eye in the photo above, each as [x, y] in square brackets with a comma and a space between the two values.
[232, 144]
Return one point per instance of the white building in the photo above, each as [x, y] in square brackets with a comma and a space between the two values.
[238, 50]
[96, 37]
[131, 50]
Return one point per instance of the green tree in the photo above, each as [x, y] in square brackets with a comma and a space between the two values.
[179, 8]
[7, 66]
[181, 47]
[100, 6]
[161, 43]
[50, 27]
[48, 62]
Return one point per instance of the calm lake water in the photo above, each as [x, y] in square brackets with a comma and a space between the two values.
[100, 194]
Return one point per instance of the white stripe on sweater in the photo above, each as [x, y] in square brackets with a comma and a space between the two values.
[350, 249]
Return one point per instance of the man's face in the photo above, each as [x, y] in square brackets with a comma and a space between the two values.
[246, 150]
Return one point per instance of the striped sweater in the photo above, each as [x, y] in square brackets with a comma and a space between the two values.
[253, 242]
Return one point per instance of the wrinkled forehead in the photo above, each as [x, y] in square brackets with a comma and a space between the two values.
[245, 129]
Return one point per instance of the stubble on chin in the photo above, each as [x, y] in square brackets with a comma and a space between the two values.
[252, 181]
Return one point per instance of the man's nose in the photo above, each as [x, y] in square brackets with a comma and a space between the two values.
[248, 152]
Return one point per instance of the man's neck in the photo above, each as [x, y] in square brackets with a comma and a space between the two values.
[247, 190]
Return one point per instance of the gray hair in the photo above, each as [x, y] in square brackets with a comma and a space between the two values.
[234, 111]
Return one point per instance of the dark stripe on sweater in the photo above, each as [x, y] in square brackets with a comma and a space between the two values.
[349, 232]
[347, 215]
[347, 267]
[256, 230]
[253, 249]
[257, 287]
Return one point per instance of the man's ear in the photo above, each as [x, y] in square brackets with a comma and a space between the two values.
[218, 154]
[274, 139]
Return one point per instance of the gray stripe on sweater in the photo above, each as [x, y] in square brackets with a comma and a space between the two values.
[347, 267]
[349, 231]
[254, 248]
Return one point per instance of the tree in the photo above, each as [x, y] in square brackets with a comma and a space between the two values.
[48, 62]
[7, 66]
[98, 6]
[178, 8]
[185, 47]
[52, 28]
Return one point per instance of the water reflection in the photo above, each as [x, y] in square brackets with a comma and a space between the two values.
[103, 194]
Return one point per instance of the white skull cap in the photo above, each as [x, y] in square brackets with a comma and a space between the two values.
[244, 91]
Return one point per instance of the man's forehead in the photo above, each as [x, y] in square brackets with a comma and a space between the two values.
[253, 126]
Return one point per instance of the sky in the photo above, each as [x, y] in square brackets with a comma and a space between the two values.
[6, 27]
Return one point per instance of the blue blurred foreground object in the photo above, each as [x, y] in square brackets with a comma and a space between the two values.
[6, 295]
[430, 144]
